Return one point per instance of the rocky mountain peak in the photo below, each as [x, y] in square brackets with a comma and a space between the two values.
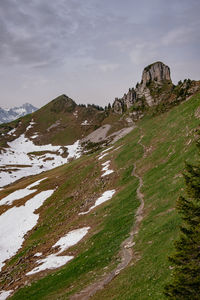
[157, 71]
[155, 88]
[10, 114]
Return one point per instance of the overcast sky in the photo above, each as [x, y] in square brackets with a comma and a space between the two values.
[92, 50]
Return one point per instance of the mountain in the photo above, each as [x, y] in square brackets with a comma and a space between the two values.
[88, 195]
[8, 115]
[155, 89]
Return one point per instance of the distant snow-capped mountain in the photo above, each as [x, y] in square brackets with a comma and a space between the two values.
[8, 115]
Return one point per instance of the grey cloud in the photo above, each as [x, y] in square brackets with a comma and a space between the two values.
[55, 44]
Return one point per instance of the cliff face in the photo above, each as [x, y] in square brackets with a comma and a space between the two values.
[156, 72]
[150, 91]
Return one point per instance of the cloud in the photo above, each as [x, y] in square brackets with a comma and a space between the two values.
[144, 53]
[102, 45]
[108, 67]
[181, 35]
[40, 32]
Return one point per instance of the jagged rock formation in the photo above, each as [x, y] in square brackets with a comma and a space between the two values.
[118, 106]
[155, 72]
[8, 115]
[155, 88]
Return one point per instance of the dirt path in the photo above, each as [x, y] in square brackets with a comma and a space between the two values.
[126, 251]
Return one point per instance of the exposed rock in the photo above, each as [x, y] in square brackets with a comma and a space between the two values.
[97, 135]
[129, 98]
[8, 115]
[118, 106]
[155, 72]
[147, 93]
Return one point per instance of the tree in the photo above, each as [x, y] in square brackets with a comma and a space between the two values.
[185, 284]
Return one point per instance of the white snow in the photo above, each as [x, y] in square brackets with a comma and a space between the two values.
[74, 150]
[35, 183]
[5, 294]
[38, 254]
[30, 125]
[8, 200]
[76, 114]
[53, 261]
[16, 222]
[17, 154]
[105, 197]
[35, 135]
[85, 122]
[105, 168]
[12, 131]
[71, 239]
[104, 153]
[106, 150]
[102, 156]
[20, 110]
[107, 172]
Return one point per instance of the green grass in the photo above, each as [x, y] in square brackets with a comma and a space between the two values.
[162, 186]
[167, 141]
[114, 221]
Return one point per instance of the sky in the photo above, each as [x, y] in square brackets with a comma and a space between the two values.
[92, 50]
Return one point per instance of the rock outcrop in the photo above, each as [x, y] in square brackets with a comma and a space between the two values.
[157, 71]
[8, 115]
[154, 76]
[118, 106]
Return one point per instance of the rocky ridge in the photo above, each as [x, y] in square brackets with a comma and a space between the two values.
[155, 87]
[8, 115]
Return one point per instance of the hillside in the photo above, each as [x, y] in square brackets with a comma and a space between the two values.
[103, 224]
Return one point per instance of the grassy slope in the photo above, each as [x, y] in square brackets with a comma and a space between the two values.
[171, 137]
[109, 224]
[167, 140]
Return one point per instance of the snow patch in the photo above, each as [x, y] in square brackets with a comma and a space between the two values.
[102, 156]
[35, 135]
[106, 150]
[54, 261]
[38, 254]
[71, 239]
[76, 114]
[20, 110]
[104, 153]
[12, 131]
[85, 123]
[5, 294]
[105, 168]
[16, 222]
[105, 197]
[8, 200]
[18, 154]
[30, 125]
[35, 183]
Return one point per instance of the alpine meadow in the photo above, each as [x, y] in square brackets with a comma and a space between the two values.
[103, 202]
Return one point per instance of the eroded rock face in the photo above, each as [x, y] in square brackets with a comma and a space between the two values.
[118, 106]
[129, 98]
[156, 72]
